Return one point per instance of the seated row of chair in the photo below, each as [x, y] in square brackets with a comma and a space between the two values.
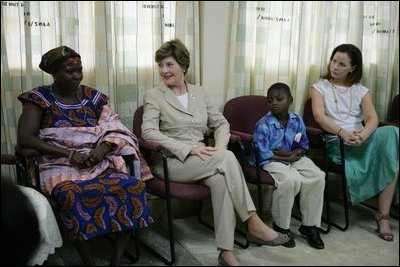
[257, 106]
[242, 113]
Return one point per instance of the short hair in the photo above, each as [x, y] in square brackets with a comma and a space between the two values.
[177, 50]
[355, 60]
[283, 87]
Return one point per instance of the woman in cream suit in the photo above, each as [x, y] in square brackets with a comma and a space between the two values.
[177, 115]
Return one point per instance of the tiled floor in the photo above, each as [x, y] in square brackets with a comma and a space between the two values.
[358, 246]
[100, 247]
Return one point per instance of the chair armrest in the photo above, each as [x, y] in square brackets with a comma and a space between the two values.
[387, 123]
[27, 167]
[245, 137]
[7, 159]
[234, 138]
[26, 152]
[316, 137]
[149, 147]
[152, 146]
[314, 131]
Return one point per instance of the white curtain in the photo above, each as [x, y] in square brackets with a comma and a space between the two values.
[116, 40]
[291, 42]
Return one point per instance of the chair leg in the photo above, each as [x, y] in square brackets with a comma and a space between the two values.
[134, 258]
[345, 206]
[170, 232]
[121, 241]
[344, 191]
[327, 208]
[84, 252]
[328, 220]
[260, 200]
[346, 200]
[396, 213]
[171, 238]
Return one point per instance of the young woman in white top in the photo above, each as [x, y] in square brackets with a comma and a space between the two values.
[344, 108]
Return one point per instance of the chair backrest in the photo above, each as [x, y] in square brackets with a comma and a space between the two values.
[137, 121]
[309, 121]
[7, 159]
[156, 186]
[308, 115]
[394, 110]
[243, 112]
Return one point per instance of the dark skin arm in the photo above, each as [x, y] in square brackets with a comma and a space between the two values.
[27, 137]
[28, 130]
[98, 154]
[291, 156]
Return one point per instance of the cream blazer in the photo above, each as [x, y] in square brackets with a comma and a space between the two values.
[168, 122]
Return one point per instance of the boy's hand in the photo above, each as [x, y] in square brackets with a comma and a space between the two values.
[295, 155]
[281, 153]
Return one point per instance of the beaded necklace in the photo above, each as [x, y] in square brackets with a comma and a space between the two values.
[59, 104]
[350, 107]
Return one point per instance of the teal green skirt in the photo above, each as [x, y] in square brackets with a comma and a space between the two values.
[371, 166]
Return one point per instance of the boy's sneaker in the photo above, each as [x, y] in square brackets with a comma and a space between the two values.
[291, 243]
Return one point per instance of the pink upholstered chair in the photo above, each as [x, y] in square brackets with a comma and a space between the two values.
[242, 114]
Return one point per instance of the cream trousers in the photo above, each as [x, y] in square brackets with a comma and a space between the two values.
[222, 173]
[303, 177]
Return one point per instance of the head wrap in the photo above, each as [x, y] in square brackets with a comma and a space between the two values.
[55, 57]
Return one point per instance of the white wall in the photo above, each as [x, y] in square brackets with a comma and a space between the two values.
[214, 42]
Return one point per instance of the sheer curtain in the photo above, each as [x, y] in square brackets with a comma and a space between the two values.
[291, 42]
[116, 40]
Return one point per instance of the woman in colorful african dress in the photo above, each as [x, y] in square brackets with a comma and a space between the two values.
[84, 148]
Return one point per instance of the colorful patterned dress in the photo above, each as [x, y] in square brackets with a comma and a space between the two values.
[109, 197]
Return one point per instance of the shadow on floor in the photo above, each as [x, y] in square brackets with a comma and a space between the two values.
[101, 248]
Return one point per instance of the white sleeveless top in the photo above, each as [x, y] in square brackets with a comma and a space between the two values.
[346, 112]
